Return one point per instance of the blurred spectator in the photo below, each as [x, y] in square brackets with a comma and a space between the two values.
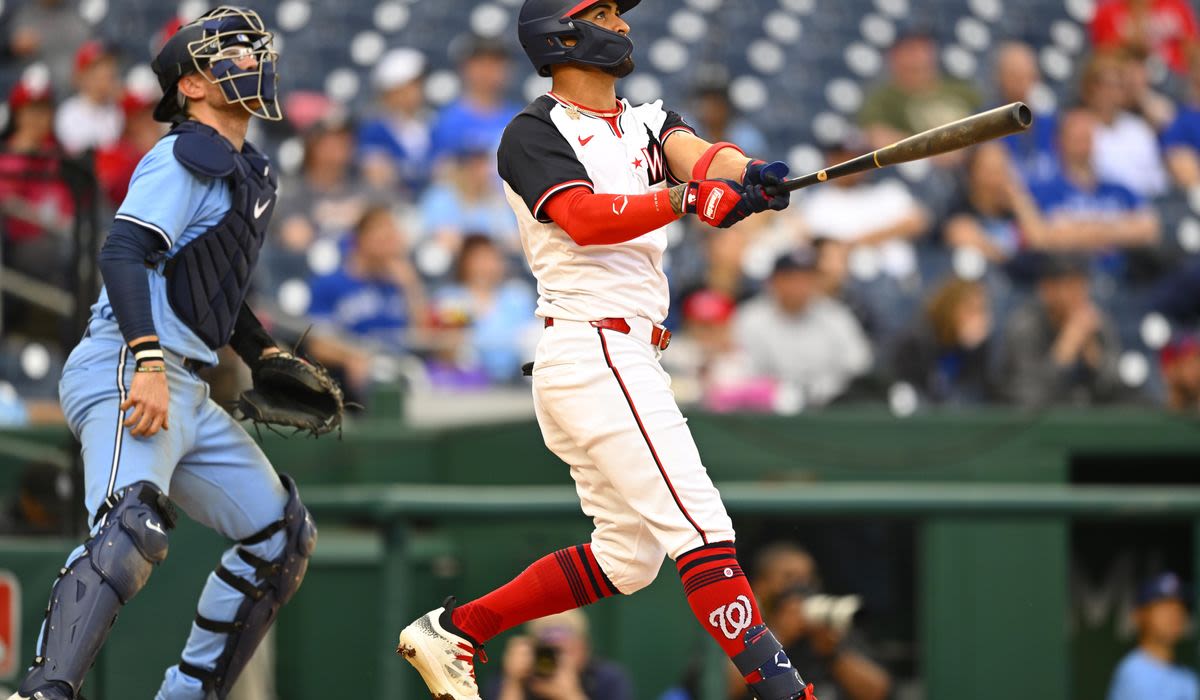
[818, 641]
[1016, 76]
[1141, 98]
[945, 355]
[555, 662]
[92, 117]
[43, 504]
[500, 309]
[452, 364]
[876, 218]
[1085, 211]
[798, 335]
[395, 145]
[50, 31]
[917, 96]
[1162, 28]
[1149, 672]
[376, 296]
[37, 206]
[1181, 140]
[1126, 150]
[467, 200]
[725, 371]
[716, 119]
[1060, 348]
[833, 262]
[324, 201]
[994, 213]
[115, 163]
[477, 118]
[1179, 361]
[780, 567]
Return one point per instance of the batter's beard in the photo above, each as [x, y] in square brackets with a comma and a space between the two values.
[622, 69]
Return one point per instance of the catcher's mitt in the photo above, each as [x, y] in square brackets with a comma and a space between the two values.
[292, 392]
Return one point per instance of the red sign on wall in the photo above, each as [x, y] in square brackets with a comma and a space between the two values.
[10, 624]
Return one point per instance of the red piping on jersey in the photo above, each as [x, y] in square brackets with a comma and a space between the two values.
[646, 436]
[537, 208]
[607, 219]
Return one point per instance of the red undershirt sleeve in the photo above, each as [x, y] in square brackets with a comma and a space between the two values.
[606, 219]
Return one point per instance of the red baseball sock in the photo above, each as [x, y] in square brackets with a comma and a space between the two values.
[719, 594]
[569, 578]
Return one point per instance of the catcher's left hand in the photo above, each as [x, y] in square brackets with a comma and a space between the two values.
[292, 392]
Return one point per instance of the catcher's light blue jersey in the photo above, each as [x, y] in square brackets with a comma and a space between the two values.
[174, 203]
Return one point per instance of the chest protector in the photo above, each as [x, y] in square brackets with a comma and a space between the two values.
[208, 278]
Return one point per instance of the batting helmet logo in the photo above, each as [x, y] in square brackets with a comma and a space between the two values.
[10, 623]
[732, 619]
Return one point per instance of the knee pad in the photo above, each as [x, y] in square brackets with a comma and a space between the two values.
[281, 578]
[89, 592]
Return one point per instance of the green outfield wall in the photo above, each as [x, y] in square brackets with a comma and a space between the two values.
[409, 516]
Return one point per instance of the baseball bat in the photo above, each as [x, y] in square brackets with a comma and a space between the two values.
[968, 131]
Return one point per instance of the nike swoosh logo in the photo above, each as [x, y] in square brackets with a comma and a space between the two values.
[583, 141]
[260, 207]
[156, 527]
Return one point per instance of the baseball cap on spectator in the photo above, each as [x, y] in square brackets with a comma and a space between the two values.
[803, 259]
[708, 306]
[27, 91]
[915, 29]
[1164, 586]
[1180, 347]
[398, 67]
[311, 112]
[90, 53]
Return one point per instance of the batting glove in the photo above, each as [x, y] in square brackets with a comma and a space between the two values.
[720, 203]
[758, 179]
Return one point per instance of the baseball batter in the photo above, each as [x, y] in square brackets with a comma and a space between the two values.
[593, 180]
[176, 268]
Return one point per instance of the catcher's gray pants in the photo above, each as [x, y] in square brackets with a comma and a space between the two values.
[208, 465]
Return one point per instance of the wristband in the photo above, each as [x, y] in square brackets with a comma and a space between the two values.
[147, 351]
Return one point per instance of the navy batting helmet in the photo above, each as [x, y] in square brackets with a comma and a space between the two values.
[223, 41]
[544, 24]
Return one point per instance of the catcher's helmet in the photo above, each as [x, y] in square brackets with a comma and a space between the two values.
[544, 24]
[222, 39]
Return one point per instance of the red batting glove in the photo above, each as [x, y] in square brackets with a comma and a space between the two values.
[720, 203]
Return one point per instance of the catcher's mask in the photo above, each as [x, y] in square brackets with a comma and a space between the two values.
[232, 48]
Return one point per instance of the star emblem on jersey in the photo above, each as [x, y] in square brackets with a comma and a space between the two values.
[583, 141]
[637, 162]
[260, 207]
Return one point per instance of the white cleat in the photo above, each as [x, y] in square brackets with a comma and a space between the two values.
[445, 660]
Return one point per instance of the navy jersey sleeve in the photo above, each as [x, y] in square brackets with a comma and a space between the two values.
[672, 124]
[537, 163]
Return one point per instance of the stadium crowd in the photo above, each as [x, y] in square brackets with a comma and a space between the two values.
[1033, 271]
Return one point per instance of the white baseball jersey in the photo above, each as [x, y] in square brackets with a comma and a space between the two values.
[553, 146]
[603, 401]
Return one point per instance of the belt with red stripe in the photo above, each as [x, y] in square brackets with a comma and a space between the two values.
[659, 337]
